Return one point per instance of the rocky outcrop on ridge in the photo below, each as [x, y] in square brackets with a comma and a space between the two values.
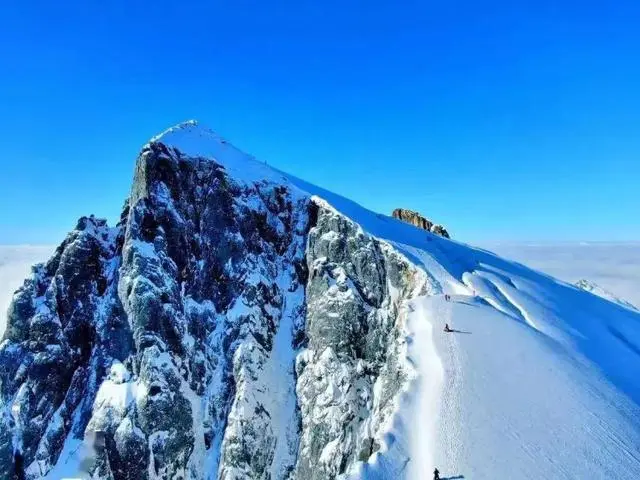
[417, 220]
[440, 230]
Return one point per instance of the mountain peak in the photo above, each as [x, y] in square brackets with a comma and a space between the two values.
[196, 141]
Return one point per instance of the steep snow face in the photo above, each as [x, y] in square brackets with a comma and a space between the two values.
[241, 323]
[513, 403]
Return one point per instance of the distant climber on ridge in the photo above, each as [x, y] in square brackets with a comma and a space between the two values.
[18, 464]
[436, 474]
[446, 328]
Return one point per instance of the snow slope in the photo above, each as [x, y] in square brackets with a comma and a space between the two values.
[539, 380]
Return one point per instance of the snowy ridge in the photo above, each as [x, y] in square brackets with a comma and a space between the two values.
[243, 323]
[193, 140]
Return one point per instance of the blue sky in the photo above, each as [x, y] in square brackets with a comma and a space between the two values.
[500, 121]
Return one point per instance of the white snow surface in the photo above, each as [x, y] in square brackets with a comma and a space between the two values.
[539, 380]
[196, 141]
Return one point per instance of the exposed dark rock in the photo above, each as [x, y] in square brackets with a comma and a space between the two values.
[440, 230]
[414, 218]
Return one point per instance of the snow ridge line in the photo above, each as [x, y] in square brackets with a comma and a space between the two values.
[427, 388]
[450, 439]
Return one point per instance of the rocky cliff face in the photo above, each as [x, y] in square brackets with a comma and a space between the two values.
[414, 218]
[350, 372]
[230, 326]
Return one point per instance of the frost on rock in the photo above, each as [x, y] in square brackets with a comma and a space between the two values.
[162, 348]
[213, 334]
[63, 326]
[351, 371]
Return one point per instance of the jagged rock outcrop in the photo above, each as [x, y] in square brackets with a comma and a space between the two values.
[440, 230]
[414, 218]
[355, 289]
[61, 327]
[230, 326]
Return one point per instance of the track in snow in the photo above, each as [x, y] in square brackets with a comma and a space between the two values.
[470, 419]
[436, 435]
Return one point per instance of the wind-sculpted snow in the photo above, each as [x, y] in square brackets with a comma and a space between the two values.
[613, 266]
[239, 323]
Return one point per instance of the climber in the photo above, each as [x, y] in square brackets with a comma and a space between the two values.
[436, 474]
[18, 466]
[447, 297]
[446, 328]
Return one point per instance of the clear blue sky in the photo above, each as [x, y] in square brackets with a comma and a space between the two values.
[500, 121]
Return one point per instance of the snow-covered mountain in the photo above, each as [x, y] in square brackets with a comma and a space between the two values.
[241, 323]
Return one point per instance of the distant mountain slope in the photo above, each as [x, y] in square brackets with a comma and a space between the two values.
[240, 323]
[601, 292]
[614, 266]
